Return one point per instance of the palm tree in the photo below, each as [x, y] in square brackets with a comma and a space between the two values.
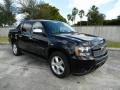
[81, 14]
[94, 8]
[69, 16]
[29, 6]
[72, 19]
[6, 11]
[74, 13]
[94, 16]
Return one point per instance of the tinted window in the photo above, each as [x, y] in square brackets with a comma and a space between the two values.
[19, 26]
[26, 28]
[55, 27]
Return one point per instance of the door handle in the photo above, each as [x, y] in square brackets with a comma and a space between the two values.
[20, 35]
[30, 38]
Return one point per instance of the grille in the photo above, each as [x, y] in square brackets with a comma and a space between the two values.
[99, 51]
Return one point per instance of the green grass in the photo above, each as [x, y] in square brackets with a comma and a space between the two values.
[110, 44]
[113, 44]
[3, 40]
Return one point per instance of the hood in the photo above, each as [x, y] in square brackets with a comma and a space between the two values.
[82, 38]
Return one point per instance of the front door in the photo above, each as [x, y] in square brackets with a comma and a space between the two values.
[25, 36]
[39, 41]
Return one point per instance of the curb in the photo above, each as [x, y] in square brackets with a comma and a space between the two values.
[110, 49]
[114, 49]
[4, 43]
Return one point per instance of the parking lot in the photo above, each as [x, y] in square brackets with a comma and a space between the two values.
[29, 72]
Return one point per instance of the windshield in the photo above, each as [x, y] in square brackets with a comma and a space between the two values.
[56, 27]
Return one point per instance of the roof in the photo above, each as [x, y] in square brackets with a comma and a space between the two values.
[39, 20]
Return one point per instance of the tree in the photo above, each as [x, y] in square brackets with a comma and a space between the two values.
[74, 13]
[118, 17]
[38, 10]
[47, 11]
[72, 19]
[95, 17]
[81, 14]
[69, 16]
[6, 16]
[30, 7]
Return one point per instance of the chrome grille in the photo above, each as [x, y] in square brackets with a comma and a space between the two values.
[99, 51]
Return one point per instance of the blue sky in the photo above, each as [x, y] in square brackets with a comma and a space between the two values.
[111, 8]
[106, 7]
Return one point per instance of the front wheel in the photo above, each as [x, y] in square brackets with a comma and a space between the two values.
[16, 50]
[59, 65]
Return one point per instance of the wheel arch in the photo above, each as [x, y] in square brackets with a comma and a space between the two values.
[54, 49]
[13, 40]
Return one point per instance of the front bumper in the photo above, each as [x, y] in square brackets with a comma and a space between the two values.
[82, 67]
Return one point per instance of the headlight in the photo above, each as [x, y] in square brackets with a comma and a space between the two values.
[82, 51]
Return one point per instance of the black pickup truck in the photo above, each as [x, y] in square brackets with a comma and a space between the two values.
[67, 51]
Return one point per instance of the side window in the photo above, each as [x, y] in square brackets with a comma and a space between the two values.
[37, 28]
[19, 27]
[37, 25]
[26, 28]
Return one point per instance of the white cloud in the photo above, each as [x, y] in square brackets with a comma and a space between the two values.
[86, 4]
[114, 12]
[1, 2]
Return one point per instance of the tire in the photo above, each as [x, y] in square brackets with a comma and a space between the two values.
[16, 50]
[59, 65]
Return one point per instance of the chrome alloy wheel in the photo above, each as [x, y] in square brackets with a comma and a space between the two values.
[58, 65]
[15, 50]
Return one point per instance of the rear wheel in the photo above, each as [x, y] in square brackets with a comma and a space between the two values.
[59, 65]
[16, 50]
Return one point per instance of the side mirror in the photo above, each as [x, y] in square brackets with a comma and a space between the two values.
[37, 30]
